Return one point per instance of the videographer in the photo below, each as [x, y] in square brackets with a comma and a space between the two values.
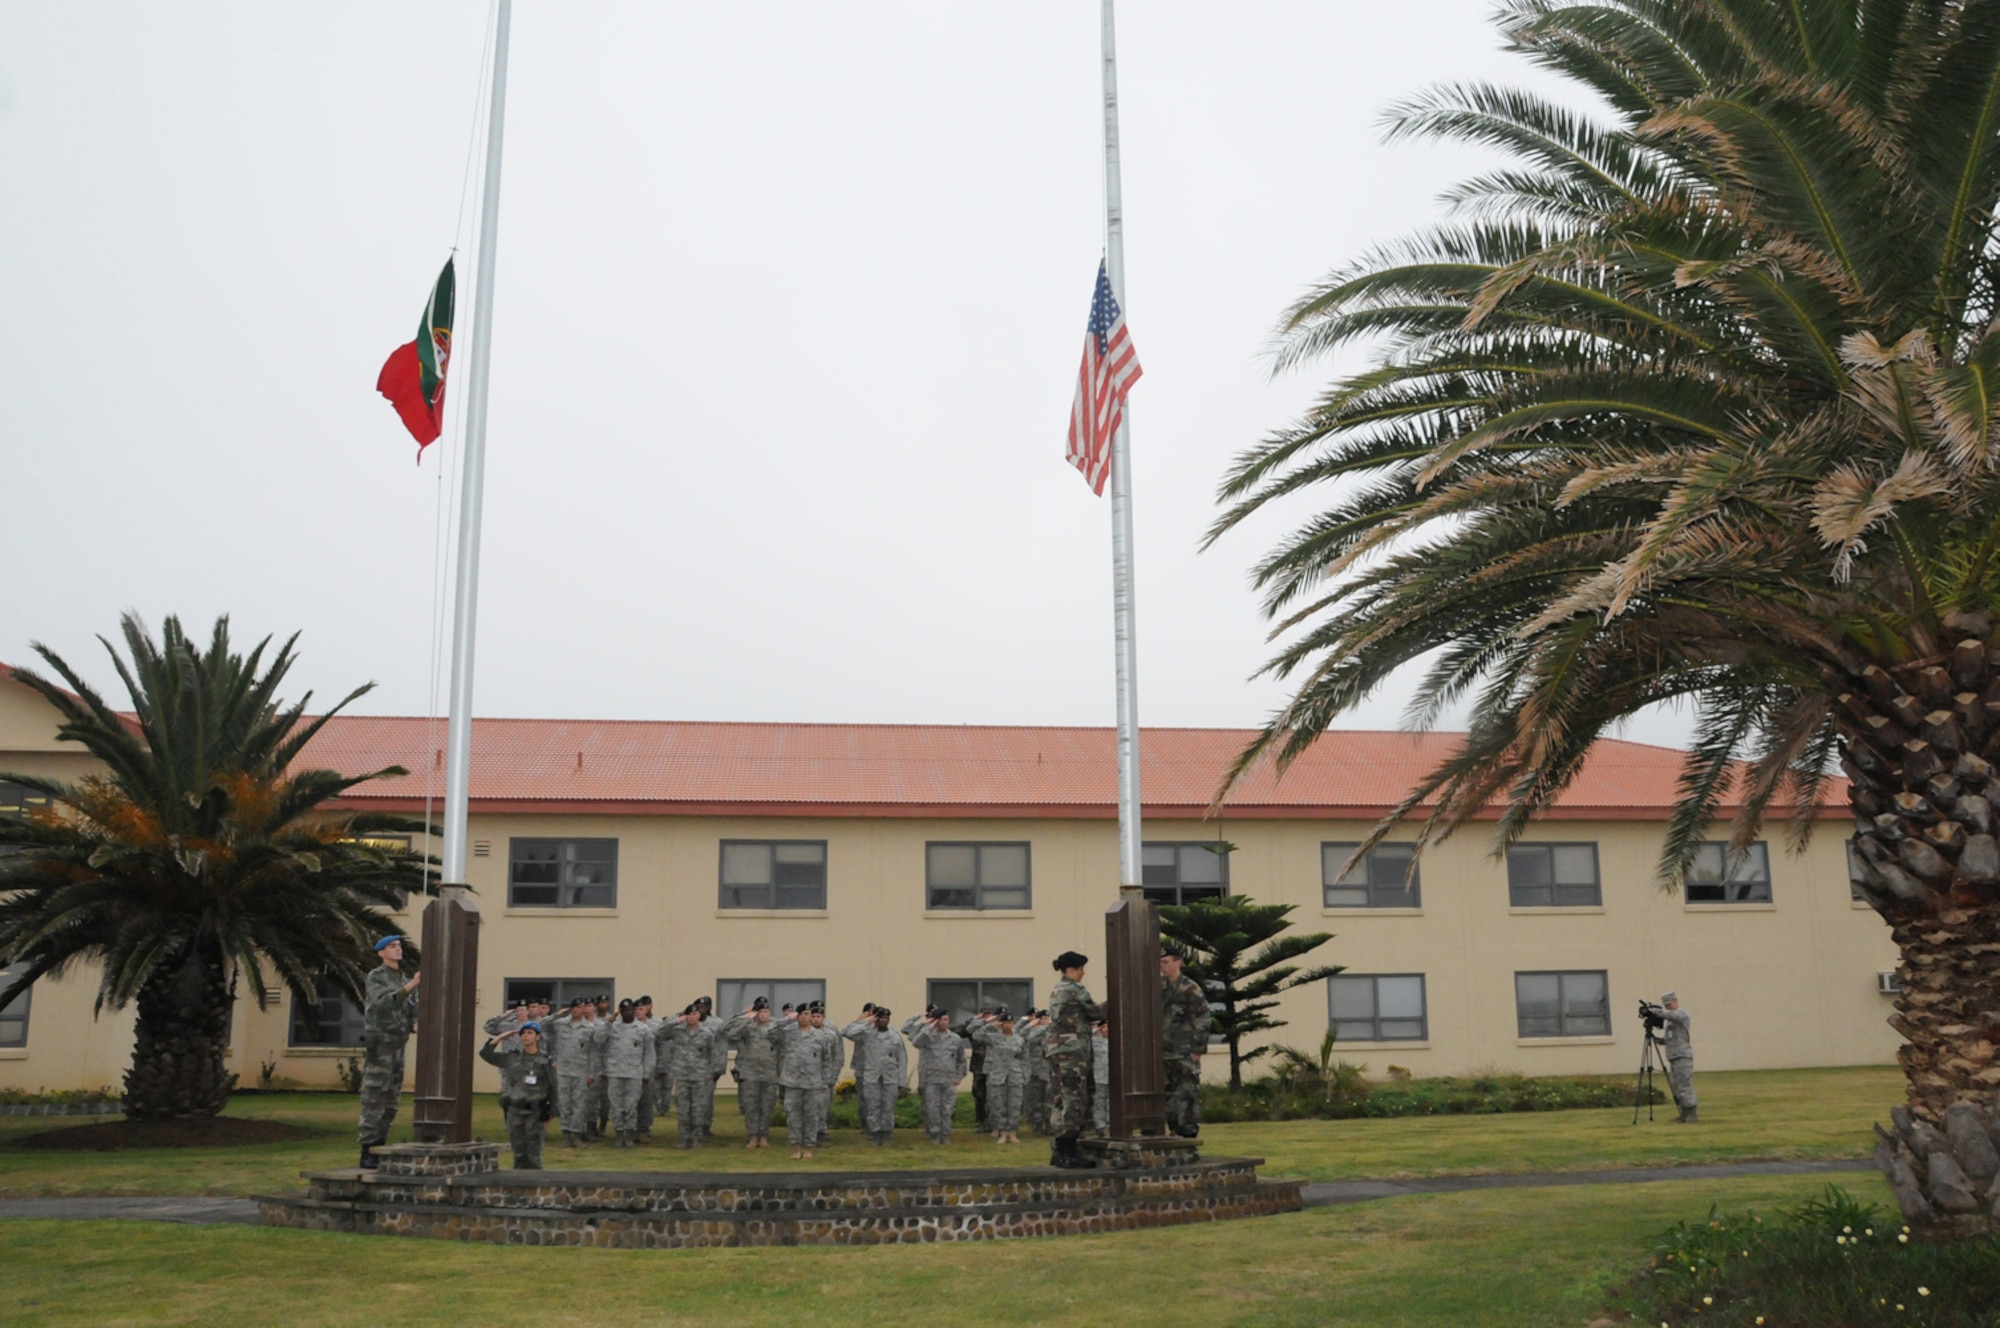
[1680, 1055]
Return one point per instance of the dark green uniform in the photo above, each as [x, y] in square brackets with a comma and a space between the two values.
[527, 1097]
[1185, 1022]
[1071, 1013]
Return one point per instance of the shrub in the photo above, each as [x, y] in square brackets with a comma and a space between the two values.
[1829, 1263]
[349, 1071]
[55, 1097]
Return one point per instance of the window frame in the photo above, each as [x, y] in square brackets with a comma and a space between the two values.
[565, 888]
[20, 1010]
[1377, 1019]
[353, 1019]
[1412, 893]
[1177, 893]
[1555, 887]
[1562, 976]
[723, 887]
[979, 885]
[559, 989]
[979, 986]
[1758, 852]
[725, 1009]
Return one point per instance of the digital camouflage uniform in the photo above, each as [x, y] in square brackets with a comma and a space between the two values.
[718, 1065]
[1035, 1096]
[1680, 1061]
[599, 1111]
[1100, 1082]
[527, 1094]
[756, 1071]
[653, 1093]
[802, 1069]
[577, 1045]
[688, 1053]
[1071, 1013]
[941, 1063]
[1184, 1020]
[976, 1055]
[628, 1063]
[836, 1060]
[1006, 1075]
[881, 1070]
[387, 1014]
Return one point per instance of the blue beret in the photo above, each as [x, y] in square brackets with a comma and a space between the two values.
[532, 1023]
[384, 941]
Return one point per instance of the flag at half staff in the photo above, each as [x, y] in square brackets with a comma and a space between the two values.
[1110, 367]
[413, 376]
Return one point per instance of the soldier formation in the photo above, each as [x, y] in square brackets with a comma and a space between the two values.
[605, 1071]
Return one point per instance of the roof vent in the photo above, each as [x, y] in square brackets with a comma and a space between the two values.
[1888, 984]
[483, 848]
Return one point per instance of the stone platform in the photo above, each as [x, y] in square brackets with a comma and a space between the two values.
[679, 1210]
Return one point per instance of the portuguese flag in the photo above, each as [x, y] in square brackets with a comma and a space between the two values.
[413, 376]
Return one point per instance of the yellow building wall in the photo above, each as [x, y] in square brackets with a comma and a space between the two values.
[1789, 983]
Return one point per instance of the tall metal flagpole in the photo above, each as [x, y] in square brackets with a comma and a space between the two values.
[443, 1107]
[465, 611]
[1124, 617]
[1131, 926]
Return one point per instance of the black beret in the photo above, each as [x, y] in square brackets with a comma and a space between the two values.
[1070, 959]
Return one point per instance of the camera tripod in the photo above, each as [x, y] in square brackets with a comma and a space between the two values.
[1653, 1054]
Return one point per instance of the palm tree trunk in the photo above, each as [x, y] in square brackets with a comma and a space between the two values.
[182, 1035]
[1920, 742]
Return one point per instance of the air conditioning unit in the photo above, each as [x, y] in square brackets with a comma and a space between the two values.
[1888, 983]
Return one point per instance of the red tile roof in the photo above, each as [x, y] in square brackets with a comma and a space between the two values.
[656, 768]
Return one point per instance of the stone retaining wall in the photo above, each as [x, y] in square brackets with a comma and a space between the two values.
[652, 1210]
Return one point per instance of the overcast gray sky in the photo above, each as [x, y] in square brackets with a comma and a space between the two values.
[790, 303]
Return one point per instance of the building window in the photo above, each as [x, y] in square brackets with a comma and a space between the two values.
[334, 1020]
[1377, 1007]
[1574, 1004]
[1713, 878]
[14, 1014]
[1553, 876]
[16, 801]
[734, 995]
[774, 873]
[962, 996]
[555, 992]
[976, 876]
[562, 873]
[1183, 873]
[1386, 877]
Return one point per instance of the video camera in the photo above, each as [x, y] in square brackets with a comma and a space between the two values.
[1653, 1016]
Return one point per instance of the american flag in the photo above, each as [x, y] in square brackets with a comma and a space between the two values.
[1110, 367]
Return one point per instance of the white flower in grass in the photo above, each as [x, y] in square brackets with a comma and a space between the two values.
[1903, 1239]
[1923, 1291]
[1708, 1300]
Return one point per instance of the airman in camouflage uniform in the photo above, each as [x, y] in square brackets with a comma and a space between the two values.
[1071, 1013]
[1035, 1097]
[688, 1047]
[628, 1063]
[804, 1054]
[527, 1092]
[600, 1090]
[977, 1054]
[1006, 1072]
[506, 1026]
[653, 1088]
[756, 1039]
[389, 1009]
[718, 1065]
[1680, 1056]
[881, 1070]
[836, 1060]
[941, 1063]
[578, 1040]
[1185, 1020]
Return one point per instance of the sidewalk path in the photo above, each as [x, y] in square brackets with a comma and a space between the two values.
[203, 1211]
[1318, 1194]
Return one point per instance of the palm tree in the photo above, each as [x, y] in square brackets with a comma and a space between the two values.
[1239, 954]
[197, 859]
[1693, 401]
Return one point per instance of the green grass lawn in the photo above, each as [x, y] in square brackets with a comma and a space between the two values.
[1758, 1114]
[1531, 1258]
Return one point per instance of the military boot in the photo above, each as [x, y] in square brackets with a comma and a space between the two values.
[1688, 1117]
